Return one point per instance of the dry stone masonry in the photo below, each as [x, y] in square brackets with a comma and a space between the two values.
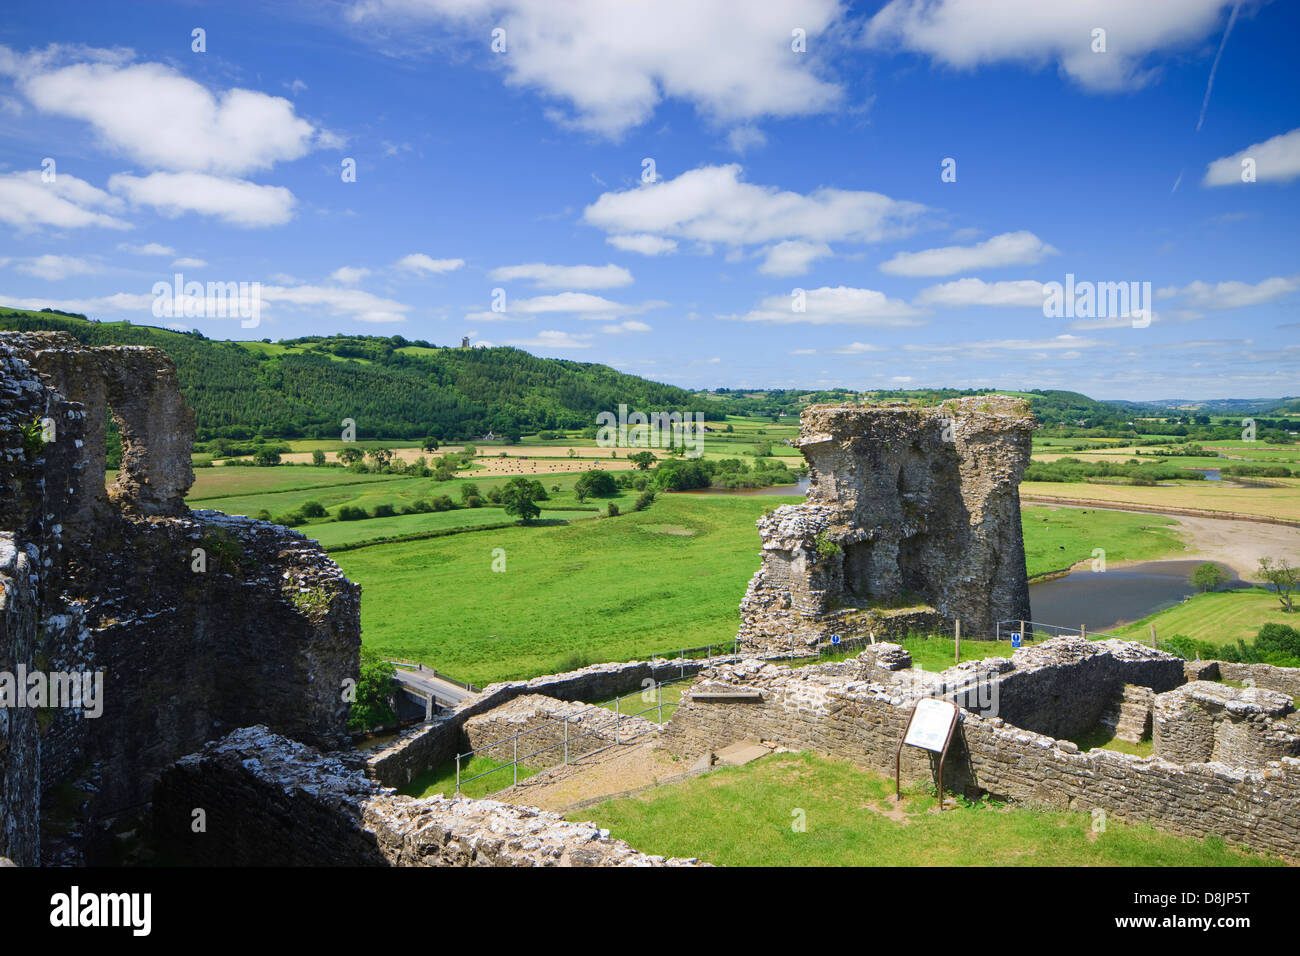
[272, 800]
[906, 506]
[1224, 760]
[198, 622]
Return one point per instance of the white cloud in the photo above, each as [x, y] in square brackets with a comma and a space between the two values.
[744, 138]
[154, 115]
[964, 292]
[614, 62]
[189, 263]
[645, 244]
[419, 263]
[236, 201]
[1276, 160]
[553, 339]
[857, 348]
[968, 33]
[582, 305]
[1063, 341]
[147, 249]
[711, 204]
[560, 277]
[68, 202]
[349, 275]
[353, 303]
[1009, 249]
[833, 306]
[1232, 295]
[98, 305]
[56, 267]
[792, 257]
[631, 325]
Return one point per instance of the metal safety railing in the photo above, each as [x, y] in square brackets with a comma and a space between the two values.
[569, 741]
[1038, 631]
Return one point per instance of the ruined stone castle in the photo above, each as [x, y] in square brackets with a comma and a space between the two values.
[197, 622]
[907, 506]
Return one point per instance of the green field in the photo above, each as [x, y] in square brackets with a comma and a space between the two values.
[646, 582]
[1220, 617]
[1057, 538]
[743, 816]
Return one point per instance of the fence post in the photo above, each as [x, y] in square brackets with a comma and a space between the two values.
[1083, 631]
[957, 654]
[516, 760]
[617, 717]
[661, 702]
[566, 741]
[1023, 636]
[458, 773]
[1153, 637]
[683, 673]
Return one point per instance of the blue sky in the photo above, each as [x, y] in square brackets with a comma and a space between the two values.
[775, 170]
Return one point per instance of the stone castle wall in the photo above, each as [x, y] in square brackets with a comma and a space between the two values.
[905, 504]
[268, 800]
[258, 624]
[831, 710]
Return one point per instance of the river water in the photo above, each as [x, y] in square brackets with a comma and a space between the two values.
[1101, 600]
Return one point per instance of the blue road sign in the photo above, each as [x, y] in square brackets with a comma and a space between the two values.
[1015, 640]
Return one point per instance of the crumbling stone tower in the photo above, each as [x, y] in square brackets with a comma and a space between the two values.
[199, 622]
[912, 521]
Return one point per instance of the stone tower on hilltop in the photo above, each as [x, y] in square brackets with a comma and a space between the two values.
[912, 521]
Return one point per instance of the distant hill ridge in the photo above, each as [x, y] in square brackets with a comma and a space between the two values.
[399, 388]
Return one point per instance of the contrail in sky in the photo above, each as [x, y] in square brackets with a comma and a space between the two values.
[1232, 18]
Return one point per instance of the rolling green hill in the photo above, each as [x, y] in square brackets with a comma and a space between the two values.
[392, 388]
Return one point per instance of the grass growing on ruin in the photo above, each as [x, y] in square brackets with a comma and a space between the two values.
[620, 588]
[636, 703]
[1103, 738]
[442, 779]
[1220, 617]
[743, 816]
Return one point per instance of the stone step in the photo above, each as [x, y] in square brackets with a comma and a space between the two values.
[1129, 713]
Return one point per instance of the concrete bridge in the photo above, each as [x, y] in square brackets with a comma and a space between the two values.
[422, 691]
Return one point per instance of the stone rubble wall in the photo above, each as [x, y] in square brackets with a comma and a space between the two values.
[1129, 713]
[267, 800]
[1204, 722]
[863, 721]
[20, 764]
[904, 502]
[1285, 680]
[544, 720]
[269, 630]
[429, 745]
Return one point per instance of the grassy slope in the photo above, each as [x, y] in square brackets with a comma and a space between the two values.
[620, 588]
[1220, 617]
[741, 816]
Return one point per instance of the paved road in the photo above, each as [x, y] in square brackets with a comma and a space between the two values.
[426, 683]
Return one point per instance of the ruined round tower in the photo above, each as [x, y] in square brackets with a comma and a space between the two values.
[912, 522]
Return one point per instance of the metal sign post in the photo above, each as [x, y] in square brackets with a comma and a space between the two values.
[929, 727]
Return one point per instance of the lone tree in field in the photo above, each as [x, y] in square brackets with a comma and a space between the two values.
[349, 455]
[519, 497]
[1209, 576]
[595, 484]
[643, 459]
[1283, 577]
